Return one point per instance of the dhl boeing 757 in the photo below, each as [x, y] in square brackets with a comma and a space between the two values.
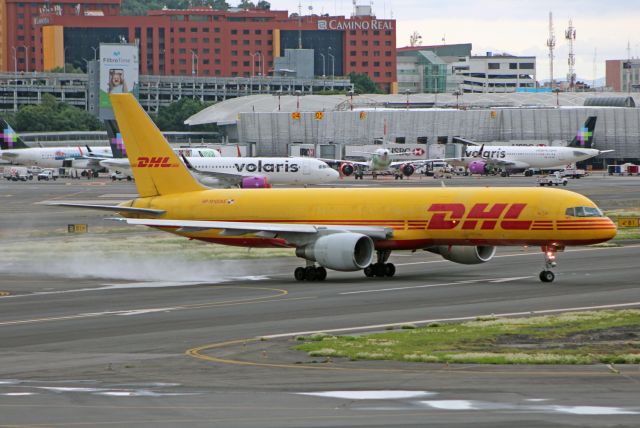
[348, 229]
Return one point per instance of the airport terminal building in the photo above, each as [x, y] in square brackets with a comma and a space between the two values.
[329, 124]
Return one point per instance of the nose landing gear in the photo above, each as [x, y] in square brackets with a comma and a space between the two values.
[549, 262]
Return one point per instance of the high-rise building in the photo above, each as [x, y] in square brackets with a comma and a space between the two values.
[199, 42]
[20, 23]
[623, 75]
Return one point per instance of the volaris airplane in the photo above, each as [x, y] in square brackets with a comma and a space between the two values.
[348, 229]
[509, 158]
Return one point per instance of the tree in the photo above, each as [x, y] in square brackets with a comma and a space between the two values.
[218, 4]
[172, 117]
[363, 84]
[69, 69]
[51, 115]
[246, 4]
[264, 4]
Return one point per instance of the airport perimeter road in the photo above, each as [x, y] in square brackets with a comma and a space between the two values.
[88, 347]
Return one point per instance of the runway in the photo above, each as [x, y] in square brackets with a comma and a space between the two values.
[95, 345]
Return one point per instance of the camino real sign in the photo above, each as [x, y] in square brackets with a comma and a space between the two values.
[341, 25]
[119, 65]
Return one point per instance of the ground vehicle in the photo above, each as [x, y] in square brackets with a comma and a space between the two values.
[17, 173]
[573, 173]
[554, 179]
[48, 174]
[117, 175]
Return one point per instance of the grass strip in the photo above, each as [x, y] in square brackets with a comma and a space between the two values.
[611, 336]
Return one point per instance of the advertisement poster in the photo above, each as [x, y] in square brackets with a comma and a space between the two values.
[118, 71]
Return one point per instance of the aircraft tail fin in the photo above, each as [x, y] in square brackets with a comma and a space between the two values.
[584, 137]
[118, 149]
[9, 139]
[156, 167]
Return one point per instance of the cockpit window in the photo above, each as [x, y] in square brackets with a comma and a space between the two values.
[583, 212]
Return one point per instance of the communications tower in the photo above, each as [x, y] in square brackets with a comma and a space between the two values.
[551, 44]
[570, 35]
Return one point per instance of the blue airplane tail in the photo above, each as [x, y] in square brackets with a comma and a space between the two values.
[9, 139]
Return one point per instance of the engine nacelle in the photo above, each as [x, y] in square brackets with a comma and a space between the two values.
[345, 252]
[407, 169]
[466, 255]
[478, 167]
[255, 183]
[346, 169]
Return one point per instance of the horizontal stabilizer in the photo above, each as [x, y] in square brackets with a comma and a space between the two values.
[116, 208]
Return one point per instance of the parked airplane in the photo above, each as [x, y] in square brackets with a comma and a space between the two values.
[342, 228]
[379, 161]
[17, 152]
[241, 172]
[504, 159]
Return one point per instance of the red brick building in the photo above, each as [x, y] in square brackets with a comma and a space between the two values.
[205, 42]
[19, 34]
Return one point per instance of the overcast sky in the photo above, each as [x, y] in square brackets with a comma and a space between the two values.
[519, 27]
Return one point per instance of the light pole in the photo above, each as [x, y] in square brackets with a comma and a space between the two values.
[323, 66]
[260, 63]
[457, 94]
[350, 93]
[278, 94]
[408, 92]
[253, 61]
[95, 53]
[298, 93]
[15, 60]
[194, 63]
[333, 63]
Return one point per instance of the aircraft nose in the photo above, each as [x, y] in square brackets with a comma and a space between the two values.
[333, 174]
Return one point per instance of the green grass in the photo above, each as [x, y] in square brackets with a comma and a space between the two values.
[572, 338]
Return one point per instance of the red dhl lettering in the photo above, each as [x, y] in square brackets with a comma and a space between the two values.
[449, 216]
[154, 162]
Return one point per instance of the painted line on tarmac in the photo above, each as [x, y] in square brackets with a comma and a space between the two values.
[198, 352]
[444, 284]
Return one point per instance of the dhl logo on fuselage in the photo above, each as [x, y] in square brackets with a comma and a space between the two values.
[154, 162]
[452, 216]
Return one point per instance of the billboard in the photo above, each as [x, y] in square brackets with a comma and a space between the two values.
[119, 65]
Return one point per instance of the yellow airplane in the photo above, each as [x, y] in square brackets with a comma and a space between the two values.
[344, 229]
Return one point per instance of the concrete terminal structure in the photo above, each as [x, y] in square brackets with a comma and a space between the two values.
[338, 120]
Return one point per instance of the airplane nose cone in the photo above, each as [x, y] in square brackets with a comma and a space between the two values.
[332, 174]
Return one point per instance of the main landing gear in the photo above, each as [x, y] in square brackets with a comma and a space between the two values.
[381, 268]
[310, 273]
[549, 262]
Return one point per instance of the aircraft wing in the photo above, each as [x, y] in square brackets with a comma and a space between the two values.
[284, 230]
[460, 140]
[113, 208]
[228, 179]
[417, 163]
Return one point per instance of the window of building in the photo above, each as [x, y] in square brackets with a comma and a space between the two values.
[205, 30]
[182, 40]
[365, 43]
[365, 63]
[513, 66]
[527, 66]
[387, 53]
[205, 50]
[387, 64]
[218, 73]
[388, 74]
[387, 42]
[217, 61]
[246, 42]
[194, 40]
[216, 40]
[182, 51]
[234, 42]
[205, 40]
[269, 32]
[246, 63]
[234, 74]
[234, 31]
[258, 42]
[258, 31]
[376, 43]
[205, 61]
[494, 66]
[353, 53]
[246, 53]
[376, 63]
[216, 51]
[177, 17]
[234, 63]
[234, 53]
[376, 74]
[352, 42]
[376, 53]
[246, 31]
[365, 53]
[194, 29]
[182, 61]
[352, 63]
[181, 30]
[387, 33]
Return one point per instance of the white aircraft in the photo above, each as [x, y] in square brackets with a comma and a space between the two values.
[15, 151]
[210, 168]
[504, 159]
[379, 161]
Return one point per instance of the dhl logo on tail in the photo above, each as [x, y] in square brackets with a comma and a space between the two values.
[154, 162]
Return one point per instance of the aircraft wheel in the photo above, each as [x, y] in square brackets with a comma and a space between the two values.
[321, 273]
[379, 270]
[547, 276]
[310, 273]
[299, 274]
[368, 271]
[389, 270]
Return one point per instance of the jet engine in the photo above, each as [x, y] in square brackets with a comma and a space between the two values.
[466, 255]
[346, 169]
[342, 251]
[407, 169]
[255, 183]
[478, 167]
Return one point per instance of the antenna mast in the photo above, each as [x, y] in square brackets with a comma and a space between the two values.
[629, 66]
[551, 44]
[300, 25]
[570, 35]
[595, 68]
